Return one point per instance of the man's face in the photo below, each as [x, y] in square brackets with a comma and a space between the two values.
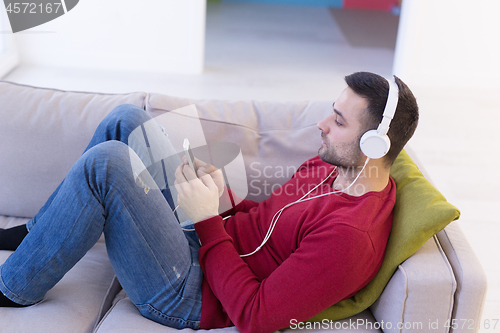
[341, 131]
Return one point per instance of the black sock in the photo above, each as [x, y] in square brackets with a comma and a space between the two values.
[12, 237]
[7, 303]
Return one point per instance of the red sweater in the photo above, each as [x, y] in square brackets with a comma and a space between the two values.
[322, 251]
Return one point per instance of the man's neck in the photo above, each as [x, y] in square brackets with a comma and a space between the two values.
[374, 177]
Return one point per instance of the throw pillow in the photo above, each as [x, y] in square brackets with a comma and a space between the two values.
[420, 212]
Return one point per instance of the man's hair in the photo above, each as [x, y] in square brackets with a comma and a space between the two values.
[375, 89]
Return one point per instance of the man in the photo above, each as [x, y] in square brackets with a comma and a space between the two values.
[264, 264]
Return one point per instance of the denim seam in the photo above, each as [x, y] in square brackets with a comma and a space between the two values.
[157, 312]
[3, 288]
[10, 295]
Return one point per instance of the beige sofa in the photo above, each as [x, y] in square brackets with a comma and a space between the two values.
[44, 131]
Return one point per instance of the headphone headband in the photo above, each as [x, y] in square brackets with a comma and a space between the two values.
[376, 143]
[390, 107]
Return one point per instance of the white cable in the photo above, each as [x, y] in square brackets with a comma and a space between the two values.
[277, 215]
[275, 219]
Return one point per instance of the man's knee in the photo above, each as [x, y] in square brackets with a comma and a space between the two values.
[109, 152]
[125, 110]
[112, 164]
[115, 161]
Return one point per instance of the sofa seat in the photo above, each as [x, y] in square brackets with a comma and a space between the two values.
[123, 316]
[76, 304]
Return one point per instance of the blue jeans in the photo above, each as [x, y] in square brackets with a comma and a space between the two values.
[155, 261]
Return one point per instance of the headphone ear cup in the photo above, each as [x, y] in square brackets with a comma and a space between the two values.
[374, 145]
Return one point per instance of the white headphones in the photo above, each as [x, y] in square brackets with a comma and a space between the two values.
[375, 143]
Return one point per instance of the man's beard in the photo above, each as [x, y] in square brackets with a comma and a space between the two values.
[353, 156]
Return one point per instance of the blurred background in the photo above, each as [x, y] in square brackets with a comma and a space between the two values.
[447, 51]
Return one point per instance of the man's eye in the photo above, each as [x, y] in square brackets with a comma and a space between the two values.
[338, 124]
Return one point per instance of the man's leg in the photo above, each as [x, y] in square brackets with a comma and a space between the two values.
[150, 255]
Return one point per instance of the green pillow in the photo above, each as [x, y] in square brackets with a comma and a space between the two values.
[420, 212]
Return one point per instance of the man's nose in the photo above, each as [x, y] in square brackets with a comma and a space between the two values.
[322, 126]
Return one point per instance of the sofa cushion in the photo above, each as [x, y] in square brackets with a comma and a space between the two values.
[124, 317]
[44, 131]
[275, 138]
[76, 304]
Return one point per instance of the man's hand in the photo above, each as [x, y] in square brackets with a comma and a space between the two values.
[198, 197]
[208, 169]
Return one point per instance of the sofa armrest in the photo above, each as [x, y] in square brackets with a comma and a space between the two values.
[419, 294]
[470, 276]
[471, 279]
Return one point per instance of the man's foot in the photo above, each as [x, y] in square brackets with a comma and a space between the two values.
[12, 237]
[7, 303]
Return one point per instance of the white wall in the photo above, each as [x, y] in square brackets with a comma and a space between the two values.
[9, 57]
[449, 43]
[146, 35]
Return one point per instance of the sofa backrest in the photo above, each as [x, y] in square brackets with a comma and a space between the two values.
[43, 133]
[275, 138]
